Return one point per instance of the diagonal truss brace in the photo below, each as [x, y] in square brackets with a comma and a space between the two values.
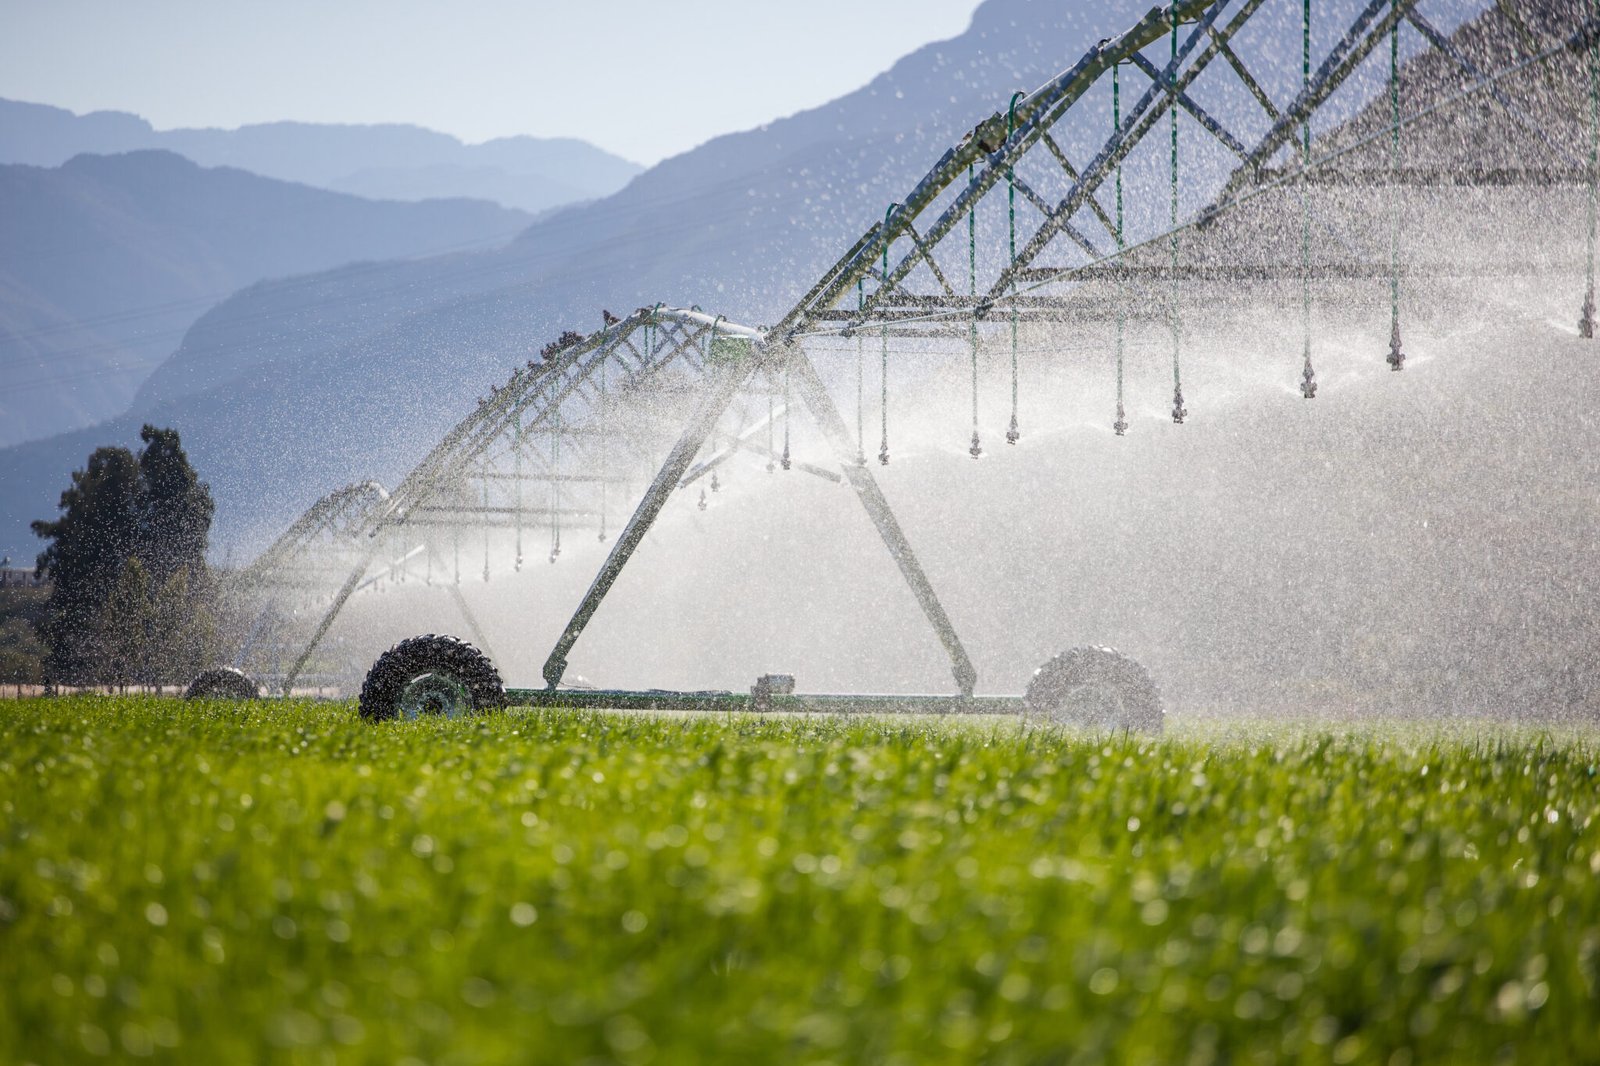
[993, 152]
[536, 390]
[1470, 69]
[1345, 56]
[726, 381]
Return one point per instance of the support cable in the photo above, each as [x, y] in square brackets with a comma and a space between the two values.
[651, 332]
[710, 363]
[883, 368]
[555, 484]
[1179, 412]
[1012, 432]
[786, 462]
[772, 416]
[976, 449]
[605, 442]
[1121, 424]
[1396, 357]
[1586, 322]
[1308, 376]
[516, 480]
[861, 376]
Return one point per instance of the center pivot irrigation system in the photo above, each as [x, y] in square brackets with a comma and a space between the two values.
[667, 395]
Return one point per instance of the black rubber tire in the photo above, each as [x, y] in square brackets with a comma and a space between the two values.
[430, 654]
[1128, 699]
[222, 683]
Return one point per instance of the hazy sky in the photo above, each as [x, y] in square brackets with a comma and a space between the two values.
[643, 79]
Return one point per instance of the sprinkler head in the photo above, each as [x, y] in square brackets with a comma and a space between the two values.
[1308, 383]
[1013, 434]
[883, 455]
[977, 449]
[602, 537]
[517, 566]
[784, 462]
[702, 503]
[715, 484]
[1121, 424]
[1179, 412]
[1396, 358]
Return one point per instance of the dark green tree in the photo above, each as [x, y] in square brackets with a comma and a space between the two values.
[184, 626]
[92, 539]
[125, 629]
[175, 509]
[21, 653]
[153, 509]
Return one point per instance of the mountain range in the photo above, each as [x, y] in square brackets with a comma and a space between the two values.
[389, 162]
[106, 260]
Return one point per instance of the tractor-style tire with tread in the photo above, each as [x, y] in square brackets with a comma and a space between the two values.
[222, 683]
[410, 659]
[1096, 687]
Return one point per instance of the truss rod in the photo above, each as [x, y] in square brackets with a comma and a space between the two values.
[727, 377]
[1246, 77]
[593, 479]
[1467, 67]
[816, 397]
[1345, 56]
[737, 444]
[1200, 115]
[1150, 107]
[987, 145]
[448, 457]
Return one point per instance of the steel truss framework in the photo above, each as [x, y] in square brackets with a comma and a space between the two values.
[567, 439]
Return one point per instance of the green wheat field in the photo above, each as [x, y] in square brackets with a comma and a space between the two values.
[278, 882]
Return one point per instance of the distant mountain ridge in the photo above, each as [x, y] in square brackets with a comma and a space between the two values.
[105, 260]
[388, 161]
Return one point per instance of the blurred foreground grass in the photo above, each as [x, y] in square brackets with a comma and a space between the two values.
[278, 882]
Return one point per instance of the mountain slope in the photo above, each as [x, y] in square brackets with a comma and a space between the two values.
[106, 259]
[382, 161]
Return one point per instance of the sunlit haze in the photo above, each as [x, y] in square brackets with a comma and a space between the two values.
[640, 79]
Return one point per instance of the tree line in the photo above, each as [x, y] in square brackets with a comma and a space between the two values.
[132, 600]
